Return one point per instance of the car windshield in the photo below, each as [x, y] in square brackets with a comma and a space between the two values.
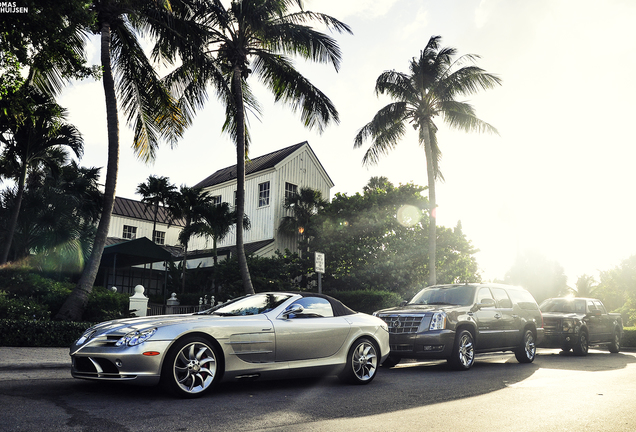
[251, 305]
[451, 295]
[563, 305]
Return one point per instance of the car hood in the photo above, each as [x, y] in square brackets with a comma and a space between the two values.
[415, 309]
[560, 315]
[124, 326]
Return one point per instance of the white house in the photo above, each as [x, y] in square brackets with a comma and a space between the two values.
[268, 180]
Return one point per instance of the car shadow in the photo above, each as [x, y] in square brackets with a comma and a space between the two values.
[596, 360]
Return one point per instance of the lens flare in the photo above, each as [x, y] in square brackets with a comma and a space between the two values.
[408, 215]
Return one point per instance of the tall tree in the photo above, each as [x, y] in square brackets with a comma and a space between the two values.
[187, 205]
[428, 91]
[148, 105]
[257, 37]
[31, 137]
[156, 192]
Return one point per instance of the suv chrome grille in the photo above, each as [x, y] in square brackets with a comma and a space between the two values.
[403, 324]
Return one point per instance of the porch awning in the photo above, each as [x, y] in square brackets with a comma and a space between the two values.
[134, 252]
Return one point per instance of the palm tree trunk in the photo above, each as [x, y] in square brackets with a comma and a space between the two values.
[73, 307]
[15, 213]
[240, 179]
[183, 267]
[432, 225]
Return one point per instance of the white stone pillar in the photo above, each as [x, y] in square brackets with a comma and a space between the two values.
[139, 302]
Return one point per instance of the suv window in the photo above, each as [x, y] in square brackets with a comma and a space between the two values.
[600, 306]
[523, 298]
[503, 301]
[484, 293]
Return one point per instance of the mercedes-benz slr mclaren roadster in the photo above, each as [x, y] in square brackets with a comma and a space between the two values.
[266, 335]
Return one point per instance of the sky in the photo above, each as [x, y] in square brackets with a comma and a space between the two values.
[558, 178]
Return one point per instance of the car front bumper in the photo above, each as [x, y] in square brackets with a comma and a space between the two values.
[436, 344]
[140, 364]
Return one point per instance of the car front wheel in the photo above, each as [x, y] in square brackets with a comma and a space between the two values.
[191, 368]
[362, 362]
[581, 346]
[615, 345]
[463, 355]
[528, 349]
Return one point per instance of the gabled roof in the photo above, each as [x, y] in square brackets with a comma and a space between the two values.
[260, 163]
[138, 210]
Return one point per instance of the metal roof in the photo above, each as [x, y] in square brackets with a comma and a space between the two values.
[137, 210]
[257, 164]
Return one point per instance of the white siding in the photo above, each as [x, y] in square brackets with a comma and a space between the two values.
[144, 229]
[301, 168]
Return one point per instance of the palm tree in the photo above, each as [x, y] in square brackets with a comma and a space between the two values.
[585, 286]
[149, 107]
[156, 192]
[303, 206]
[187, 206]
[216, 221]
[257, 37]
[34, 137]
[427, 92]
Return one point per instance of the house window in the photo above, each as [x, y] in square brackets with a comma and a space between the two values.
[290, 190]
[130, 232]
[216, 200]
[159, 237]
[263, 194]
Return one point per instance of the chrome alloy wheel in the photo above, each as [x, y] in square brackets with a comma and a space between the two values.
[365, 361]
[530, 347]
[466, 350]
[195, 367]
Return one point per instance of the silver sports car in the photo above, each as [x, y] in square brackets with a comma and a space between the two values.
[266, 335]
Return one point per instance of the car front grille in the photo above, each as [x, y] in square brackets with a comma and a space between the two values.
[551, 325]
[403, 324]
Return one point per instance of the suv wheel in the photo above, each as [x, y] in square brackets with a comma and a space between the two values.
[615, 345]
[581, 346]
[463, 355]
[528, 349]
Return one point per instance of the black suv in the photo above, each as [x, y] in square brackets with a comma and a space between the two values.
[454, 322]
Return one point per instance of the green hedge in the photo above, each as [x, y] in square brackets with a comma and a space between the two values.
[40, 333]
[629, 337]
[367, 301]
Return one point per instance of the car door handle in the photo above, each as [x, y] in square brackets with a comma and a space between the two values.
[515, 316]
[497, 316]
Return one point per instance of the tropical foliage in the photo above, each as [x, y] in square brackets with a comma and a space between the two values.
[257, 37]
[430, 90]
[377, 241]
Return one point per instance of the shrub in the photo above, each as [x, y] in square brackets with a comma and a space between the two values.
[104, 305]
[40, 333]
[629, 337]
[367, 301]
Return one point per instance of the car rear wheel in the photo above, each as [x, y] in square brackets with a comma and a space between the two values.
[391, 361]
[463, 355]
[362, 362]
[191, 367]
[615, 345]
[581, 346]
[528, 349]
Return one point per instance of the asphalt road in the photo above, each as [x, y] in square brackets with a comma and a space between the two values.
[558, 392]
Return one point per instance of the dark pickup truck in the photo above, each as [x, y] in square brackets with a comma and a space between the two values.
[576, 323]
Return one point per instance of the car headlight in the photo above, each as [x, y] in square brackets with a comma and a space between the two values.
[86, 336]
[568, 326]
[438, 322]
[135, 338]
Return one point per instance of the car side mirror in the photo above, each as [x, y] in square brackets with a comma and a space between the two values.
[294, 309]
[594, 313]
[403, 303]
[485, 303]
